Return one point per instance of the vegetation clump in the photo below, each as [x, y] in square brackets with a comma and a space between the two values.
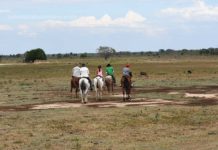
[35, 54]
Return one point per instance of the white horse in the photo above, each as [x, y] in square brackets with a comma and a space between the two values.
[84, 88]
[98, 85]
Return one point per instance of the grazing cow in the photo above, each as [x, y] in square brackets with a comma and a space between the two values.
[109, 83]
[84, 88]
[98, 85]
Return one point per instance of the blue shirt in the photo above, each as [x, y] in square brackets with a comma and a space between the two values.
[126, 71]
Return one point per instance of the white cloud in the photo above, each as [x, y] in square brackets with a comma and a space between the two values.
[4, 27]
[24, 30]
[132, 21]
[199, 12]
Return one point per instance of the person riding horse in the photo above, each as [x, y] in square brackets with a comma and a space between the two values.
[98, 83]
[99, 72]
[126, 82]
[110, 71]
[84, 73]
[126, 74]
[75, 78]
[76, 73]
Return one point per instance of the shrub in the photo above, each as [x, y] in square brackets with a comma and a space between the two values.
[35, 54]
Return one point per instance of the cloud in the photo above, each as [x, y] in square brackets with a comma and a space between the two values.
[199, 12]
[132, 19]
[4, 27]
[24, 30]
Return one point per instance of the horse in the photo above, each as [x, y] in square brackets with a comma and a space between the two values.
[74, 83]
[84, 88]
[126, 87]
[98, 85]
[109, 83]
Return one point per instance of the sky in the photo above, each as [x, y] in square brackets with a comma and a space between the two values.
[77, 26]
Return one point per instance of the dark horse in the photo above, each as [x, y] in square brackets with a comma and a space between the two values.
[74, 83]
[126, 87]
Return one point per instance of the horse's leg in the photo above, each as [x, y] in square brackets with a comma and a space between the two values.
[71, 85]
[129, 93]
[86, 99]
[112, 88]
[76, 90]
[124, 98]
[108, 88]
[81, 94]
[101, 90]
[96, 95]
[85, 95]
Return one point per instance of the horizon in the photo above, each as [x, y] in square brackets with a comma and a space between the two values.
[79, 26]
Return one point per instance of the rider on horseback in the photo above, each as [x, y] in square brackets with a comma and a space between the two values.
[76, 71]
[99, 72]
[84, 73]
[110, 71]
[75, 77]
[126, 74]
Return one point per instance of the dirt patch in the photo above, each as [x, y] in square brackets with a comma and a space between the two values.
[99, 104]
[200, 95]
[106, 104]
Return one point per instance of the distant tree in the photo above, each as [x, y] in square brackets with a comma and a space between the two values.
[161, 51]
[35, 54]
[84, 55]
[106, 52]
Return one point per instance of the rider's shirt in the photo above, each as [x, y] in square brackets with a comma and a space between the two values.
[76, 71]
[110, 70]
[126, 71]
[100, 73]
[84, 72]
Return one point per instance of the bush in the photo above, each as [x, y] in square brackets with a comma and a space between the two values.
[35, 54]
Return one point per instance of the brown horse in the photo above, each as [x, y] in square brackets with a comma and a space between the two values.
[126, 87]
[74, 83]
[109, 84]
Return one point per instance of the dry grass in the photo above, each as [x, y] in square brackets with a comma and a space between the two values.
[139, 127]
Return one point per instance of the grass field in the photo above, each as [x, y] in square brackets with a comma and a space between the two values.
[192, 125]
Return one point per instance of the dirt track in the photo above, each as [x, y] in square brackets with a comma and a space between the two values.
[199, 93]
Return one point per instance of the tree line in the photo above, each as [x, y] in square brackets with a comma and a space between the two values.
[107, 52]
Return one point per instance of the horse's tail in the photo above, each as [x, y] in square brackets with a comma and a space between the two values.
[83, 86]
[98, 83]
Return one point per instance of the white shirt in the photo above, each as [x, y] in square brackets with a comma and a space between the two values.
[76, 71]
[84, 72]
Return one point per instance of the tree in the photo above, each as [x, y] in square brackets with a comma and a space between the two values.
[83, 55]
[35, 54]
[106, 52]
